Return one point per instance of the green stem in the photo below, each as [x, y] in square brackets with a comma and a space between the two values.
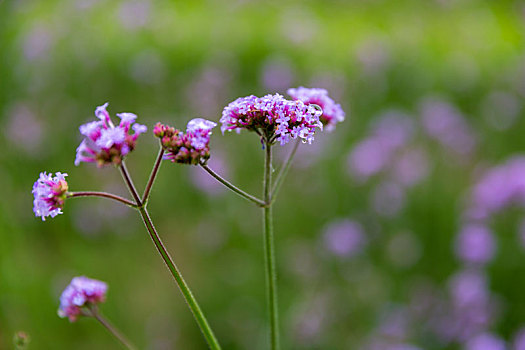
[284, 170]
[152, 176]
[232, 187]
[269, 252]
[183, 286]
[103, 195]
[104, 322]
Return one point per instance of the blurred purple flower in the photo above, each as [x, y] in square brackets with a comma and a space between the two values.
[134, 14]
[276, 74]
[388, 199]
[519, 340]
[37, 43]
[375, 153]
[208, 89]
[411, 167]
[81, 292]
[468, 288]
[499, 187]
[344, 238]
[50, 193]
[23, 124]
[332, 112]
[443, 122]
[485, 341]
[475, 244]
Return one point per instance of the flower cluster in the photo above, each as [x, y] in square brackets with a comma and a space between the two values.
[273, 117]
[81, 292]
[191, 147]
[105, 143]
[50, 193]
[332, 112]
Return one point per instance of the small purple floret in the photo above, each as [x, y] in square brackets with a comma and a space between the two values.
[50, 194]
[105, 143]
[81, 292]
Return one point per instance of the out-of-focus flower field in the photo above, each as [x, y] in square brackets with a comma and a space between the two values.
[404, 228]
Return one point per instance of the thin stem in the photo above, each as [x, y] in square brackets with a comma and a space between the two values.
[233, 187]
[104, 195]
[183, 286]
[269, 252]
[284, 170]
[129, 183]
[152, 176]
[103, 321]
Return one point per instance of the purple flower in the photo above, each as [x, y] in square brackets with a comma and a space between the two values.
[344, 238]
[485, 341]
[81, 292]
[475, 244]
[498, 188]
[519, 340]
[104, 143]
[272, 117]
[332, 112]
[191, 147]
[50, 194]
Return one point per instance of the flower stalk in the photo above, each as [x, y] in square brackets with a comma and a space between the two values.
[103, 195]
[269, 252]
[232, 187]
[284, 171]
[106, 324]
[183, 286]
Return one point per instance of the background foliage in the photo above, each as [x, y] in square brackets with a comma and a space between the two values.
[173, 61]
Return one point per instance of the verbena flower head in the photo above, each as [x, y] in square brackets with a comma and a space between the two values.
[273, 117]
[50, 193]
[332, 112]
[191, 147]
[104, 143]
[81, 292]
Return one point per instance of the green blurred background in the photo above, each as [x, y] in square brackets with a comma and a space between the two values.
[173, 61]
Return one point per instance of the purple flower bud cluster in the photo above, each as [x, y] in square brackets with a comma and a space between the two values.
[272, 117]
[191, 147]
[50, 193]
[332, 112]
[104, 143]
[81, 292]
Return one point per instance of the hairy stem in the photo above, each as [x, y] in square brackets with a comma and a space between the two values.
[183, 286]
[104, 195]
[269, 253]
[284, 170]
[104, 322]
[152, 176]
[233, 187]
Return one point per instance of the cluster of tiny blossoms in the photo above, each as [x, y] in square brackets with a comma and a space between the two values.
[191, 147]
[273, 117]
[105, 143]
[81, 292]
[50, 193]
[332, 112]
